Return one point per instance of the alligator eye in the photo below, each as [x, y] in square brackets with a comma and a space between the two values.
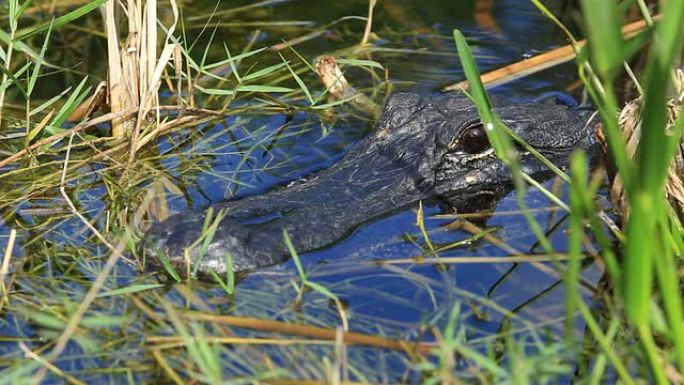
[473, 140]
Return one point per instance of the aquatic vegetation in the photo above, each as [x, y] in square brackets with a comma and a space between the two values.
[545, 287]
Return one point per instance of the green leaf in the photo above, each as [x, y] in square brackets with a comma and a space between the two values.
[46, 320]
[263, 72]
[231, 62]
[233, 59]
[22, 9]
[62, 20]
[321, 289]
[211, 223]
[646, 197]
[16, 75]
[229, 285]
[361, 63]
[298, 80]
[48, 103]
[38, 63]
[94, 322]
[130, 289]
[14, 80]
[295, 257]
[230, 274]
[257, 88]
[23, 47]
[168, 267]
[602, 19]
[69, 106]
[215, 91]
[489, 121]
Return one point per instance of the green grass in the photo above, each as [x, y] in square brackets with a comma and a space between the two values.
[650, 247]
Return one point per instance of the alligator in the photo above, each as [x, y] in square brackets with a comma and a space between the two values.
[422, 148]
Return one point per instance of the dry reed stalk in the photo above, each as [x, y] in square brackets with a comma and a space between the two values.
[49, 366]
[312, 332]
[7, 63]
[86, 109]
[630, 124]
[474, 260]
[333, 79]
[119, 97]
[369, 22]
[339, 88]
[131, 52]
[540, 62]
[159, 357]
[178, 66]
[297, 40]
[135, 70]
[150, 38]
[4, 270]
[111, 117]
[152, 68]
[173, 342]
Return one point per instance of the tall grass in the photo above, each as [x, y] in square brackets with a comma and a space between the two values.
[646, 279]
[34, 62]
[653, 236]
[136, 71]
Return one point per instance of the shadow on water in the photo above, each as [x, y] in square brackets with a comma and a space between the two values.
[249, 154]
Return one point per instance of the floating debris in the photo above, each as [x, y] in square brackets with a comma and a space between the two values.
[338, 87]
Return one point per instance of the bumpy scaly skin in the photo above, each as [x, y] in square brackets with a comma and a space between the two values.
[414, 153]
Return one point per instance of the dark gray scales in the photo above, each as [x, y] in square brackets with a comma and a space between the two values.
[423, 148]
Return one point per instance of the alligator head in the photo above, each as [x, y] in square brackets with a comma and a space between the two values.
[431, 147]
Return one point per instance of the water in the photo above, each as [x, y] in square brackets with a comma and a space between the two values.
[250, 153]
